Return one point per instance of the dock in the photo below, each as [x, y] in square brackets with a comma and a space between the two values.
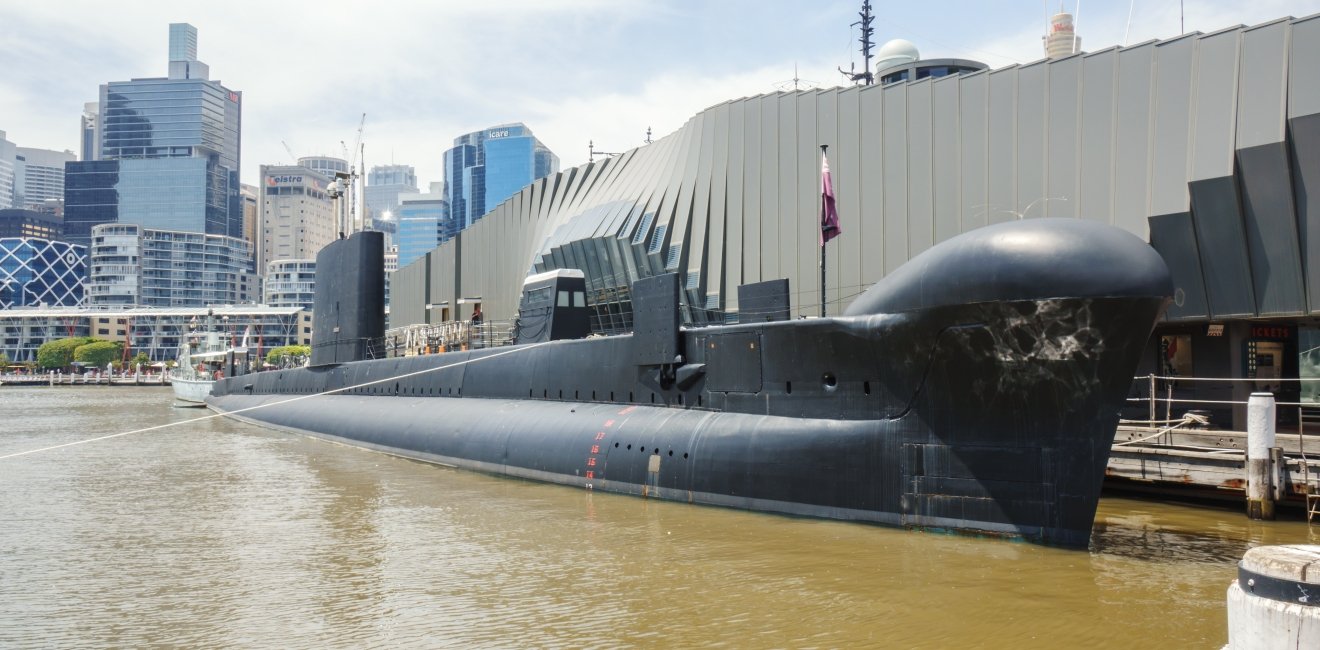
[85, 379]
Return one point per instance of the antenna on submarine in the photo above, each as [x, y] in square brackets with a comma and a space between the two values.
[865, 76]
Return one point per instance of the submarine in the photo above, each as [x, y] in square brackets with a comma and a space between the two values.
[975, 389]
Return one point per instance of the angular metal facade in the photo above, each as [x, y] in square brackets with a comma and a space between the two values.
[1206, 144]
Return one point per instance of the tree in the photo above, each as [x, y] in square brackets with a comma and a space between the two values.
[4, 361]
[139, 359]
[288, 355]
[98, 354]
[59, 353]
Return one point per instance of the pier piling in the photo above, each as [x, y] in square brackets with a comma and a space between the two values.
[1260, 464]
[1275, 600]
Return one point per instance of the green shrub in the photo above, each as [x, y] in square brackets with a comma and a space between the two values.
[98, 354]
[59, 353]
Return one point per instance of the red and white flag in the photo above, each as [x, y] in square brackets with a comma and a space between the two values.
[829, 215]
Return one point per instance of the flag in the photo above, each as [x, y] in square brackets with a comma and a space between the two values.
[829, 215]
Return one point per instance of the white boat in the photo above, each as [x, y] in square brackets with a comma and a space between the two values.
[198, 370]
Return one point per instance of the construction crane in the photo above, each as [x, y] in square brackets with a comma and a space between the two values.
[293, 160]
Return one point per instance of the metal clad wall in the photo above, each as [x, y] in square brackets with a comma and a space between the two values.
[787, 191]
[1098, 116]
[1214, 112]
[1065, 77]
[1174, 236]
[1265, 177]
[921, 199]
[827, 133]
[769, 221]
[713, 269]
[805, 242]
[1002, 156]
[894, 144]
[1213, 197]
[1032, 116]
[945, 147]
[1304, 133]
[1174, 71]
[1132, 149]
[752, 161]
[872, 231]
[1114, 135]
[972, 114]
[848, 192]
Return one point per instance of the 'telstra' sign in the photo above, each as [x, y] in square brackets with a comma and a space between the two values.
[283, 180]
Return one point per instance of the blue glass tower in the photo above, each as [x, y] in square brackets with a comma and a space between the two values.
[169, 155]
[486, 167]
[424, 223]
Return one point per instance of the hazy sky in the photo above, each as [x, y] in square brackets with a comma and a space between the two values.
[572, 70]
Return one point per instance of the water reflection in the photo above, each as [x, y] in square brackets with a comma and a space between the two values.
[219, 534]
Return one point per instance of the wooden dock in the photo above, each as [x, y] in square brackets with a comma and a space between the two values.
[1208, 464]
[85, 379]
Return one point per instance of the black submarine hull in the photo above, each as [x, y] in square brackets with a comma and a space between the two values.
[968, 413]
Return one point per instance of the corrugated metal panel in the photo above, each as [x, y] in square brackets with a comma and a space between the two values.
[1174, 70]
[1096, 157]
[1264, 175]
[734, 217]
[1223, 247]
[945, 166]
[1305, 141]
[1174, 236]
[920, 186]
[805, 245]
[872, 233]
[752, 173]
[1131, 198]
[1062, 138]
[1303, 82]
[1002, 157]
[972, 113]
[1032, 115]
[769, 186]
[827, 133]
[894, 150]
[848, 192]
[786, 187]
[1215, 109]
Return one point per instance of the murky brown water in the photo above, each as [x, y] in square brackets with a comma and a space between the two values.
[220, 534]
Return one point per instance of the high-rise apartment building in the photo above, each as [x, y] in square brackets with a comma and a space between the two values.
[486, 167]
[251, 210]
[132, 265]
[290, 283]
[168, 154]
[297, 215]
[39, 176]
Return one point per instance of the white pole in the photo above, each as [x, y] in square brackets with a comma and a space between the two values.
[1260, 439]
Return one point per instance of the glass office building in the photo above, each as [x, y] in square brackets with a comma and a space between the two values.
[169, 153]
[486, 167]
[424, 222]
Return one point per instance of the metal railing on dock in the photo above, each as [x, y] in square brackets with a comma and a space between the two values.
[1195, 432]
[449, 336]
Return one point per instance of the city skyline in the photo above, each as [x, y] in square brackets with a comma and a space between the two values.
[574, 71]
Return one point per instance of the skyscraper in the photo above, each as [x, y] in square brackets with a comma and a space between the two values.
[168, 155]
[8, 157]
[424, 222]
[486, 167]
[40, 176]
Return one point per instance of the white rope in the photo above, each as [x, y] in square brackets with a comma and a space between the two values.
[286, 401]
[1190, 418]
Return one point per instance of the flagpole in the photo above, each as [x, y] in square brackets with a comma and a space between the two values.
[819, 224]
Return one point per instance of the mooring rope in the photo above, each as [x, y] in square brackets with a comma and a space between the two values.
[523, 348]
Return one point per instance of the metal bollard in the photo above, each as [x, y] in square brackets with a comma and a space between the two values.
[1260, 439]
